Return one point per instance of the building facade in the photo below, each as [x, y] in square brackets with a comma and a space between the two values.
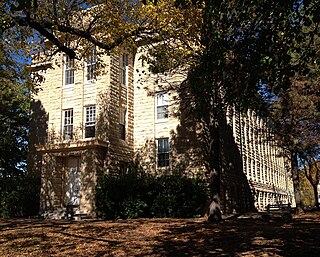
[87, 120]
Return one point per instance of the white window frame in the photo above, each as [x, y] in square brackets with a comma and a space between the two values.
[163, 163]
[91, 67]
[90, 113]
[67, 126]
[69, 71]
[123, 68]
[162, 106]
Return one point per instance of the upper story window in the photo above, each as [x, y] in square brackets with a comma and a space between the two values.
[67, 124]
[162, 106]
[123, 69]
[163, 152]
[68, 71]
[90, 121]
[122, 123]
[91, 64]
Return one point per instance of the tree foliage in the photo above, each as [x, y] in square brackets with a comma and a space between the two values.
[74, 26]
[14, 113]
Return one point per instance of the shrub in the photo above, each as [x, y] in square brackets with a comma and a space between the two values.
[19, 196]
[179, 197]
[137, 195]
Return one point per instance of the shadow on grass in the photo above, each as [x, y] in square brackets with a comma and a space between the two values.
[161, 237]
[242, 238]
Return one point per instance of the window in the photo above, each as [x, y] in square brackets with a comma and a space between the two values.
[123, 69]
[69, 71]
[162, 106]
[67, 124]
[163, 152]
[122, 123]
[90, 121]
[91, 66]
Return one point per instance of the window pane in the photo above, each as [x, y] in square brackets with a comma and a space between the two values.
[162, 112]
[163, 152]
[90, 131]
[91, 66]
[68, 124]
[123, 69]
[162, 106]
[122, 131]
[69, 71]
[90, 121]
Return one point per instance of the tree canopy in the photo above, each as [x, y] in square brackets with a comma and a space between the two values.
[14, 114]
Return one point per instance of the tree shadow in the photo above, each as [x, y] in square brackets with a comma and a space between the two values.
[39, 119]
[162, 237]
[249, 237]
[188, 149]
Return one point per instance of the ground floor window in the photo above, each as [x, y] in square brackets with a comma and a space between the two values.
[163, 152]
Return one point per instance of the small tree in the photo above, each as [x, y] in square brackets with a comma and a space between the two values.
[312, 173]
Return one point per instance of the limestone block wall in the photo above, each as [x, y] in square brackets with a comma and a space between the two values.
[264, 162]
[121, 97]
[104, 152]
[52, 178]
[147, 128]
[254, 168]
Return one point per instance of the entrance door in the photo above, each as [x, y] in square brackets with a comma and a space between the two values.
[73, 175]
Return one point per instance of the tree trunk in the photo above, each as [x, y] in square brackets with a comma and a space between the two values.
[316, 196]
[214, 214]
[296, 182]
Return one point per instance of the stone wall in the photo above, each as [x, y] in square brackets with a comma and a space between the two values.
[254, 168]
[103, 153]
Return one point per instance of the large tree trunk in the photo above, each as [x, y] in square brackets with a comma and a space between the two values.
[214, 214]
[316, 196]
[214, 165]
[296, 182]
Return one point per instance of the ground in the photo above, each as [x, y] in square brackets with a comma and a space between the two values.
[161, 237]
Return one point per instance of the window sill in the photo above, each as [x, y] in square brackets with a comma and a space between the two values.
[90, 82]
[68, 86]
[162, 120]
[88, 138]
[163, 168]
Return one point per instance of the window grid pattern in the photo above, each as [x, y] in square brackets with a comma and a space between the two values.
[69, 71]
[91, 66]
[123, 68]
[68, 124]
[90, 121]
[163, 152]
[162, 106]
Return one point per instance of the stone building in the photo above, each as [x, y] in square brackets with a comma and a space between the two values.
[86, 120]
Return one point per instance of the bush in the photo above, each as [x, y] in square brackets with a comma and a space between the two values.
[19, 196]
[135, 195]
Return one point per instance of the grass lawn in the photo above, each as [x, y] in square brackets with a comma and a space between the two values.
[161, 237]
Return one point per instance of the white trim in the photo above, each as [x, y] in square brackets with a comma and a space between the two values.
[93, 57]
[92, 119]
[162, 102]
[72, 69]
[70, 123]
[157, 152]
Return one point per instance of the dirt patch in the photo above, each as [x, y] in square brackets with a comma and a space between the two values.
[161, 237]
